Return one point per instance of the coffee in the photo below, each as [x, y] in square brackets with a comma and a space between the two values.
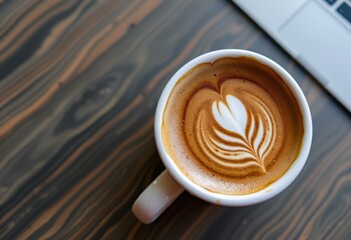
[232, 126]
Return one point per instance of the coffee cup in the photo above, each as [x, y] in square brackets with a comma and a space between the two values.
[232, 128]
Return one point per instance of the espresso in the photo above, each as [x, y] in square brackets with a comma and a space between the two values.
[232, 126]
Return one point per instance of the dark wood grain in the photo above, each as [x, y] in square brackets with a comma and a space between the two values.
[79, 82]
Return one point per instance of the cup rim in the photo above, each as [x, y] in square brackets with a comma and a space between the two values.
[245, 199]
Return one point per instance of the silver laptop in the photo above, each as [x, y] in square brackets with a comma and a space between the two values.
[317, 33]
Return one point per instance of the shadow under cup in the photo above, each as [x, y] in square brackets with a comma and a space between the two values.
[216, 85]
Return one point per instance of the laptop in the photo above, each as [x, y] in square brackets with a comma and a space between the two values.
[317, 33]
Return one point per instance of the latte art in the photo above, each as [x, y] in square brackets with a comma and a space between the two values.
[242, 139]
[235, 130]
[232, 126]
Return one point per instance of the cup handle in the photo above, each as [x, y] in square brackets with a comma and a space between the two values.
[156, 197]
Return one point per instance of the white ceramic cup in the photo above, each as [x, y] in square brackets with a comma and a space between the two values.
[172, 182]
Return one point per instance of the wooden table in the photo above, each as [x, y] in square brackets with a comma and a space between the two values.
[79, 82]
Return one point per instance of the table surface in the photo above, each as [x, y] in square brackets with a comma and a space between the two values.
[79, 82]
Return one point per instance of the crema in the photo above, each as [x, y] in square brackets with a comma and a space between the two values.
[232, 126]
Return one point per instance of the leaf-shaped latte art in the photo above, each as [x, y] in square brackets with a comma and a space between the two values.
[243, 139]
